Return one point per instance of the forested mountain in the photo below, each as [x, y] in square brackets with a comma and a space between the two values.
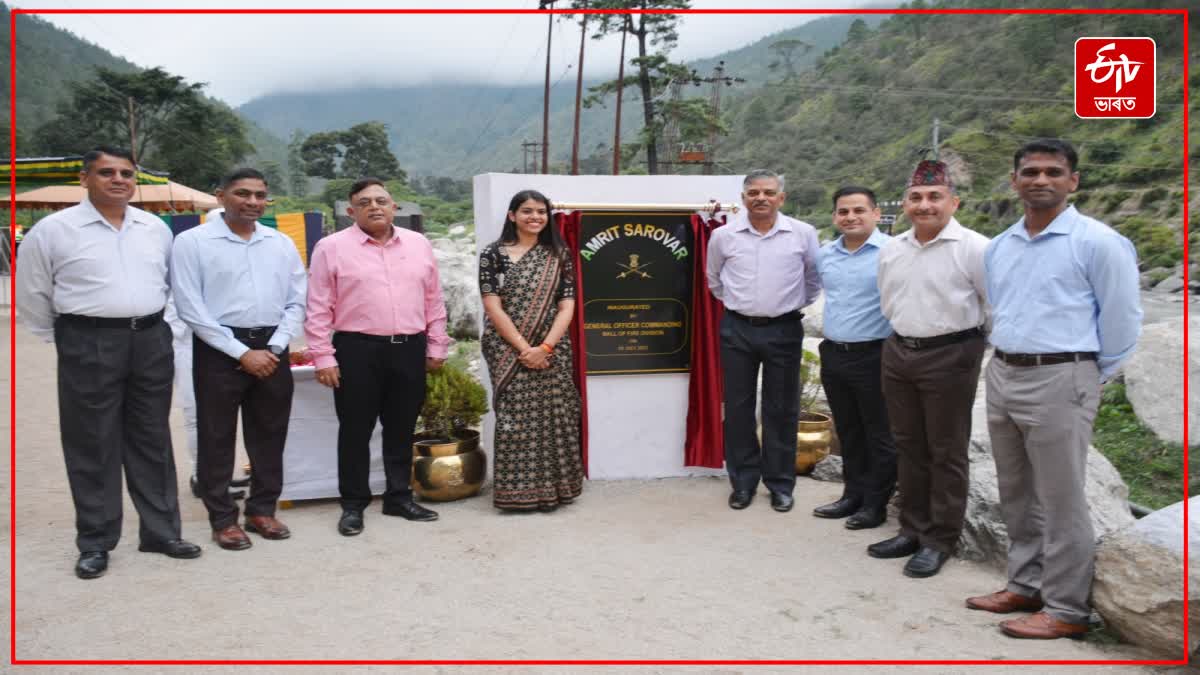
[865, 114]
[461, 129]
[50, 58]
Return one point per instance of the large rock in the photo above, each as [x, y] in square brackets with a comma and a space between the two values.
[1138, 586]
[458, 268]
[1154, 381]
[985, 538]
[814, 318]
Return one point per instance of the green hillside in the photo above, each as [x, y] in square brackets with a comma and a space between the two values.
[48, 58]
[462, 129]
[865, 115]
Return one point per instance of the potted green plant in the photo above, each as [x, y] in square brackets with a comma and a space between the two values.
[814, 432]
[447, 461]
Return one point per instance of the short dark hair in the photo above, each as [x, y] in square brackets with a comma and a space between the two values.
[1049, 146]
[846, 190]
[362, 184]
[242, 174]
[94, 154]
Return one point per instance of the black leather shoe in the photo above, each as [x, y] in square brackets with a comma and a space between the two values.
[740, 500]
[410, 511]
[195, 487]
[240, 483]
[91, 564]
[351, 523]
[839, 509]
[781, 502]
[176, 548]
[925, 563]
[866, 518]
[898, 546]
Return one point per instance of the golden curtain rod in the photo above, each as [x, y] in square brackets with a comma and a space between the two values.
[708, 206]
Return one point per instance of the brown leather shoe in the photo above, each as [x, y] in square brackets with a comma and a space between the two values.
[231, 538]
[1042, 626]
[267, 527]
[1003, 602]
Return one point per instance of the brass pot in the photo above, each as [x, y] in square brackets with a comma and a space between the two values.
[447, 470]
[426, 444]
[814, 433]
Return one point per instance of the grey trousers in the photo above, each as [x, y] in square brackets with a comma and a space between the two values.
[1040, 421]
[114, 399]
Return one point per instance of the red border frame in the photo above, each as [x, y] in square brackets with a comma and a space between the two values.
[14, 11]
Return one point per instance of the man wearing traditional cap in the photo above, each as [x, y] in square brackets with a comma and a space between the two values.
[763, 267]
[1064, 292]
[932, 290]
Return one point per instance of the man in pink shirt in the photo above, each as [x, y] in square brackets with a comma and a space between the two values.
[376, 322]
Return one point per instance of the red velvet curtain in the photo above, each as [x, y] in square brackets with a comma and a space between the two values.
[568, 226]
[705, 444]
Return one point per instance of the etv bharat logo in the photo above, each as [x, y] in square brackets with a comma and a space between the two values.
[1115, 78]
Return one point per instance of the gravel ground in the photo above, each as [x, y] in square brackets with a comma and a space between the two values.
[653, 569]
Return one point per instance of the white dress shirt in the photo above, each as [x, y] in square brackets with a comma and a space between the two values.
[935, 288]
[220, 279]
[75, 262]
[764, 274]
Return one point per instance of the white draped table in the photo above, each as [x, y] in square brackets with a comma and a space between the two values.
[310, 468]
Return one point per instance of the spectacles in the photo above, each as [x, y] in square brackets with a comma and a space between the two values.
[378, 201]
[109, 173]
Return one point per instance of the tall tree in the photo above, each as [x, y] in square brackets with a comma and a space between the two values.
[167, 121]
[273, 172]
[297, 176]
[786, 49]
[656, 35]
[361, 150]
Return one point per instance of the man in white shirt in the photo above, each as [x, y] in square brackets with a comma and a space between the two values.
[932, 291]
[763, 267]
[93, 279]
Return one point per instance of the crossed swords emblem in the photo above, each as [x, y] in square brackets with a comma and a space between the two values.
[634, 268]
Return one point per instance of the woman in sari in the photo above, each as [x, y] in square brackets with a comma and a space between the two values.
[526, 279]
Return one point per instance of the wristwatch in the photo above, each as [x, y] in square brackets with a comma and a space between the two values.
[276, 350]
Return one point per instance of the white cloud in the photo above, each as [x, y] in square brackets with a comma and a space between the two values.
[242, 56]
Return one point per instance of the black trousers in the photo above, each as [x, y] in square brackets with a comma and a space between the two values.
[777, 348]
[114, 399]
[853, 387]
[384, 382]
[222, 391]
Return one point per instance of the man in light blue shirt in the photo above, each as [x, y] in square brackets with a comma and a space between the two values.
[851, 360]
[1065, 314]
[241, 287]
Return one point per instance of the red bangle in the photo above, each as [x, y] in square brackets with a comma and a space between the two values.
[548, 348]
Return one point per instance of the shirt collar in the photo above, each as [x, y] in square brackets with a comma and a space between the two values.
[87, 213]
[364, 238]
[217, 228]
[953, 231]
[1063, 223]
[782, 223]
[877, 239]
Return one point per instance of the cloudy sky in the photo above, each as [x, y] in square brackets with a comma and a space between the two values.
[244, 56]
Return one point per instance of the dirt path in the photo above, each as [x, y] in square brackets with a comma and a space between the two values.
[657, 569]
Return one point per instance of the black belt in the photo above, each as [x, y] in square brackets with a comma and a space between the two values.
[392, 339]
[131, 323]
[766, 320]
[256, 333]
[938, 340]
[1026, 360]
[853, 346]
